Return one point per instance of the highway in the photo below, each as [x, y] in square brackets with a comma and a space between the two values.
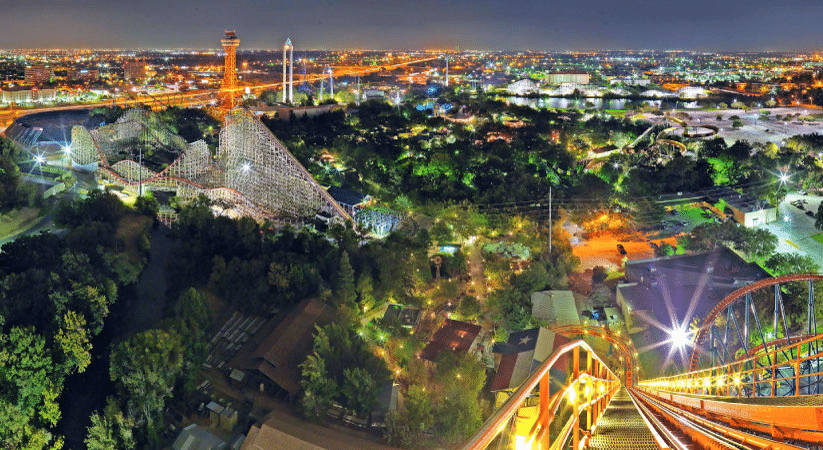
[192, 98]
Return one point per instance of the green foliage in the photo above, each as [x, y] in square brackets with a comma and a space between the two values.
[359, 390]
[343, 368]
[10, 180]
[99, 206]
[346, 293]
[756, 242]
[145, 367]
[787, 263]
[147, 204]
[319, 391]
[458, 413]
[29, 386]
[818, 218]
[110, 430]
[72, 340]
[599, 275]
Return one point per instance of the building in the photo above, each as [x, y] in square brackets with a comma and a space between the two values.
[691, 92]
[454, 335]
[660, 290]
[351, 201]
[746, 210]
[38, 74]
[279, 431]
[522, 87]
[274, 362]
[195, 437]
[84, 74]
[556, 307]
[522, 354]
[21, 95]
[568, 77]
[134, 70]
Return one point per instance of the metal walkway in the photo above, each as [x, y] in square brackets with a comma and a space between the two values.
[622, 427]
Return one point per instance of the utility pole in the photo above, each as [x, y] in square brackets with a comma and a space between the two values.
[550, 218]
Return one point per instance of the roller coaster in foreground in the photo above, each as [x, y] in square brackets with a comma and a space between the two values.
[753, 381]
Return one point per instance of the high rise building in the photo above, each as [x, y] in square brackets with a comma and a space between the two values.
[134, 70]
[38, 74]
[229, 86]
[288, 46]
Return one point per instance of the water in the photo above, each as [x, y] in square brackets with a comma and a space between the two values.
[594, 102]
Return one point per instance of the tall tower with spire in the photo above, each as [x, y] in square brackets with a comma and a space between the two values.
[229, 85]
[290, 48]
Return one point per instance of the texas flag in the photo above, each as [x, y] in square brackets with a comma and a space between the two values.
[524, 352]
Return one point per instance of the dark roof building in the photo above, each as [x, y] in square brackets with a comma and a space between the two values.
[681, 287]
[453, 335]
[276, 359]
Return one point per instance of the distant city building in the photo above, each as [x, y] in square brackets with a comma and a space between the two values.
[691, 92]
[84, 74]
[22, 95]
[631, 81]
[134, 70]
[38, 74]
[522, 87]
[568, 77]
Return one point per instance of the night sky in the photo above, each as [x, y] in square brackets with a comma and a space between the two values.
[402, 24]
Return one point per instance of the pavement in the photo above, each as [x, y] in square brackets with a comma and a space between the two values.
[795, 229]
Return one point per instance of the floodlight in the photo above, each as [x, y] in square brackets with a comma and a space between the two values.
[679, 337]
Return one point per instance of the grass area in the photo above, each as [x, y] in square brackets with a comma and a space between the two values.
[818, 237]
[695, 214]
[618, 113]
[130, 230]
[18, 220]
[614, 275]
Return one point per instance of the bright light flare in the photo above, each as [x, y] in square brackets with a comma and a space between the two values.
[66, 149]
[680, 337]
[246, 167]
[784, 177]
[39, 159]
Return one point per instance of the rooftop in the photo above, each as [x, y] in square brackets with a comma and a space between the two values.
[453, 335]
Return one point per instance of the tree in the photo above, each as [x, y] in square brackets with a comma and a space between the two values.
[346, 292]
[72, 340]
[29, 388]
[319, 389]
[360, 390]
[818, 218]
[599, 275]
[145, 367]
[110, 430]
[788, 263]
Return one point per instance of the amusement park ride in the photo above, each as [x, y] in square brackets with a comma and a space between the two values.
[748, 384]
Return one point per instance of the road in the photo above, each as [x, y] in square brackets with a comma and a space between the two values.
[192, 98]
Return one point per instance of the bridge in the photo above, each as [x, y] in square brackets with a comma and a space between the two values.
[753, 381]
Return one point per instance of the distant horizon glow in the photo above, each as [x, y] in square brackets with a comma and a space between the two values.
[479, 25]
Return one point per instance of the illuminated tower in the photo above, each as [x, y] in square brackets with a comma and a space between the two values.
[447, 71]
[230, 44]
[288, 46]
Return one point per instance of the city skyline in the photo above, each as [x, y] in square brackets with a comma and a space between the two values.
[364, 24]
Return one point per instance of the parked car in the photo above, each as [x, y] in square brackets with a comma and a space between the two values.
[802, 192]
